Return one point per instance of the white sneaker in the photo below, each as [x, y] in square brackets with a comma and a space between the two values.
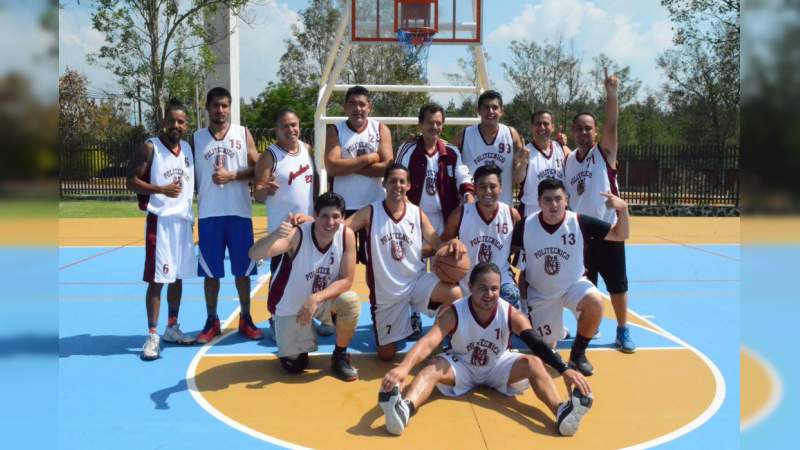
[152, 347]
[395, 411]
[569, 413]
[174, 335]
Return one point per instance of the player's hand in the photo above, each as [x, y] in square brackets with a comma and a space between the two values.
[453, 247]
[269, 185]
[173, 189]
[307, 311]
[373, 158]
[611, 81]
[614, 202]
[561, 137]
[284, 230]
[469, 198]
[522, 155]
[297, 219]
[222, 175]
[573, 378]
[394, 377]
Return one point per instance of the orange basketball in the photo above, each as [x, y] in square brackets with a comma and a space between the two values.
[452, 270]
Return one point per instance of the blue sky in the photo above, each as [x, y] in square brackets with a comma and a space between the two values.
[26, 55]
[631, 32]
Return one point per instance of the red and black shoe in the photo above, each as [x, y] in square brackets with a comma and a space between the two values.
[248, 329]
[210, 331]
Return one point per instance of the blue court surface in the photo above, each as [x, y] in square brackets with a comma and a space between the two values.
[770, 306]
[109, 398]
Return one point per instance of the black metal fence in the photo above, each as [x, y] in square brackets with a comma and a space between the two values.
[650, 175]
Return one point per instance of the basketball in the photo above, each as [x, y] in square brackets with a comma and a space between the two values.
[452, 270]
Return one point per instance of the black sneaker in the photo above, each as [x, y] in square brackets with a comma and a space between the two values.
[416, 325]
[581, 364]
[340, 364]
[570, 413]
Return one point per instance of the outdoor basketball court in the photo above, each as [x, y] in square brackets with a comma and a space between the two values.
[680, 390]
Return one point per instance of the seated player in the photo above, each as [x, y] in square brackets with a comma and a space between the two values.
[486, 228]
[554, 241]
[313, 279]
[480, 327]
[396, 272]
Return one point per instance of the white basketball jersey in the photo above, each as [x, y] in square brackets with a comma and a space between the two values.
[487, 239]
[230, 199]
[294, 174]
[476, 344]
[476, 152]
[540, 167]
[166, 168]
[429, 201]
[586, 179]
[553, 261]
[311, 270]
[358, 190]
[395, 253]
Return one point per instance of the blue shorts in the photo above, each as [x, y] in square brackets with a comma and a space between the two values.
[217, 233]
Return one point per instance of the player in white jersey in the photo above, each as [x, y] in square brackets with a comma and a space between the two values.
[285, 178]
[492, 143]
[480, 327]
[313, 279]
[396, 272]
[162, 175]
[225, 155]
[589, 172]
[545, 158]
[357, 152]
[553, 240]
[486, 228]
[439, 179]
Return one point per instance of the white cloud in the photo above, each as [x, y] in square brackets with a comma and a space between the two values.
[261, 44]
[76, 40]
[613, 29]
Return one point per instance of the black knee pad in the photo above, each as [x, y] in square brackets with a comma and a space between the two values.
[297, 365]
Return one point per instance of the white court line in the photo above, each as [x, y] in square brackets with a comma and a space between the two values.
[775, 396]
[713, 407]
[256, 355]
[198, 397]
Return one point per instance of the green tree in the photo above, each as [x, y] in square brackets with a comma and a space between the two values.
[702, 69]
[146, 41]
[546, 76]
[75, 108]
[261, 111]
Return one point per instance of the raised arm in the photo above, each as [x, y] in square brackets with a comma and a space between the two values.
[376, 169]
[335, 164]
[521, 157]
[610, 140]
[140, 168]
[284, 239]
[621, 230]
[444, 325]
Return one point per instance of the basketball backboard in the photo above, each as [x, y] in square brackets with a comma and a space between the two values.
[454, 21]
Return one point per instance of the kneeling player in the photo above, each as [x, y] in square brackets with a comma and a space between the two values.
[480, 327]
[396, 272]
[312, 280]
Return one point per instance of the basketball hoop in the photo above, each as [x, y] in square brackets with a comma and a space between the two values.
[415, 43]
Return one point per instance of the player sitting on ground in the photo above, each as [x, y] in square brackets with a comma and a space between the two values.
[480, 327]
[396, 272]
[312, 280]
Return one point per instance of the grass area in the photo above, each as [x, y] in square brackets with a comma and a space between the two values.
[79, 209]
[28, 209]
